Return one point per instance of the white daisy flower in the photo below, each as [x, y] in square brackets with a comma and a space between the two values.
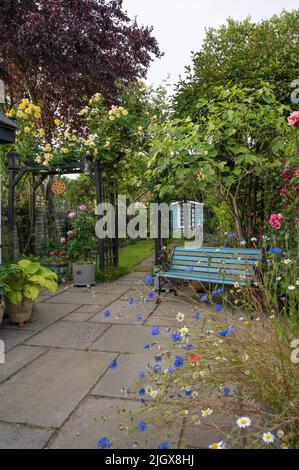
[268, 437]
[287, 261]
[184, 331]
[180, 317]
[280, 434]
[237, 285]
[244, 422]
[291, 288]
[217, 445]
[207, 412]
[154, 393]
[148, 389]
[254, 240]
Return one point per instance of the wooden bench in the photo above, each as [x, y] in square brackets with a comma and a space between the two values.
[220, 266]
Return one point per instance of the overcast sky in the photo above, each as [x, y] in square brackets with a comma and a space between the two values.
[179, 25]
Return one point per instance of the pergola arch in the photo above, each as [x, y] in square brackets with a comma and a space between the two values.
[107, 252]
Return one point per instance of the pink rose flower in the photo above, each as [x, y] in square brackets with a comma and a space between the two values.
[62, 240]
[82, 207]
[293, 119]
[70, 233]
[275, 221]
[72, 215]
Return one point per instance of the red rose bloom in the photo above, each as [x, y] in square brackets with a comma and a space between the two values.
[52, 253]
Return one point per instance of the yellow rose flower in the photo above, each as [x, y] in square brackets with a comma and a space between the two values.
[27, 130]
[65, 150]
[57, 122]
[41, 132]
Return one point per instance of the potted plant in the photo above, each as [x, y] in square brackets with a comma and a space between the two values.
[56, 262]
[81, 244]
[5, 272]
[24, 284]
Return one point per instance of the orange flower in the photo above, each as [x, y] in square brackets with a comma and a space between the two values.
[193, 358]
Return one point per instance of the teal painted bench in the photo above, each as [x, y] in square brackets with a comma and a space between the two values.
[221, 266]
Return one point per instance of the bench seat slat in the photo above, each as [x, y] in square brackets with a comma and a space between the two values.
[207, 280]
[200, 269]
[234, 251]
[189, 261]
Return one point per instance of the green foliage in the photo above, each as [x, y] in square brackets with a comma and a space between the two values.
[246, 54]
[235, 150]
[25, 280]
[83, 240]
[111, 275]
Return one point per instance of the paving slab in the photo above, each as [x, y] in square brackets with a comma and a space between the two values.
[166, 314]
[44, 315]
[92, 309]
[48, 390]
[78, 316]
[66, 334]
[15, 436]
[131, 339]
[18, 358]
[111, 288]
[122, 381]
[13, 337]
[208, 432]
[122, 312]
[102, 417]
[86, 298]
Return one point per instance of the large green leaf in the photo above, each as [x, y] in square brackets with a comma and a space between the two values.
[15, 297]
[31, 291]
[29, 267]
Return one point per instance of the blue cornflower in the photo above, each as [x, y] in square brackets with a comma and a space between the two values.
[231, 235]
[104, 443]
[142, 426]
[163, 445]
[155, 331]
[141, 392]
[157, 369]
[226, 391]
[204, 298]
[106, 314]
[113, 365]
[218, 308]
[189, 269]
[148, 280]
[131, 301]
[158, 358]
[189, 347]
[141, 375]
[275, 251]
[176, 337]
[179, 362]
[226, 333]
[197, 316]
[188, 393]
[218, 291]
[151, 295]
[147, 346]
[138, 317]
[171, 369]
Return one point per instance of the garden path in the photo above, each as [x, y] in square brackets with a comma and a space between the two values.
[57, 389]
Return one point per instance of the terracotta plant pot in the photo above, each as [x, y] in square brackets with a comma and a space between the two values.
[84, 274]
[19, 313]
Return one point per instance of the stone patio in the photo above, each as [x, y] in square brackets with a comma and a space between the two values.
[56, 388]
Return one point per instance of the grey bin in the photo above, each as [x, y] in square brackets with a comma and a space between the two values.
[84, 274]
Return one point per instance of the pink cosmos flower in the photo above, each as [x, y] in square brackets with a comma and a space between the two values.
[275, 221]
[293, 119]
[72, 215]
[82, 207]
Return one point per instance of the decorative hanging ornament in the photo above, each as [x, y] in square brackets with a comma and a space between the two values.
[58, 187]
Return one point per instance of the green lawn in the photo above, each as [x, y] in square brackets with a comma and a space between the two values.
[132, 255]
